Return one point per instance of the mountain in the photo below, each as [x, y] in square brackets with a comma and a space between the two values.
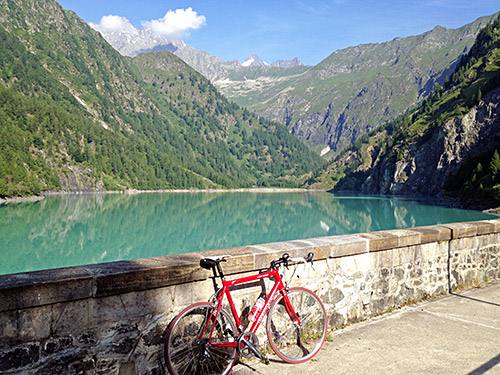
[76, 115]
[350, 93]
[287, 63]
[254, 60]
[130, 41]
[357, 89]
[450, 143]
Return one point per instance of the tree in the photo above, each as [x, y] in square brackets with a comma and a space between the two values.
[495, 165]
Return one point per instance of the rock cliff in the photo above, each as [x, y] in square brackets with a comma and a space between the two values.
[425, 167]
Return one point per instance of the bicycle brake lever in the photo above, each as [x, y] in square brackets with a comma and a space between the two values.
[309, 258]
[286, 258]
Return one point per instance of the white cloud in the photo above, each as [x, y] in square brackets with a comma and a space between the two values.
[115, 23]
[176, 24]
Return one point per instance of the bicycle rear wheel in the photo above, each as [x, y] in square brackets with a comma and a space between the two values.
[186, 354]
[290, 342]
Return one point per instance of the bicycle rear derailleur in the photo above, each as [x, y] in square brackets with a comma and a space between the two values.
[248, 345]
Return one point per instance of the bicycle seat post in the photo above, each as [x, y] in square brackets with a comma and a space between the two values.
[219, 268]
[214, 279]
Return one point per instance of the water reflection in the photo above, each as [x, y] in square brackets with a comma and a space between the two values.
[82, 229]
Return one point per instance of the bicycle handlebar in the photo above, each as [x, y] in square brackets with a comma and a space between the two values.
[213, 262]
[286, 258]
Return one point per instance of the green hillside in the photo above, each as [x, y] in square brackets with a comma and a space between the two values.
[76, 115]
[449, 143]
[260, 145]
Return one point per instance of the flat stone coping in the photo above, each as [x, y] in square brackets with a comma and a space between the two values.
[31, 289]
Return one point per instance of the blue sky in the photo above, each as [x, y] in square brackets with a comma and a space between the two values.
[283, 29]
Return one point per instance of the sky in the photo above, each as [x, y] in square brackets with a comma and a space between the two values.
[283, 29]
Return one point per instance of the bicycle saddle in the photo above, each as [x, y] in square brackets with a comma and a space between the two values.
[211, 261]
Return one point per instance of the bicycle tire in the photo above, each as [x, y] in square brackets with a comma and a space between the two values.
[185, 354]
[291, 343]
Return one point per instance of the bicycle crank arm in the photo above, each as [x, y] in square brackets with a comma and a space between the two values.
[254, 350]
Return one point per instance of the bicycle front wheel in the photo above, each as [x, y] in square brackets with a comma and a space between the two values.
[188, 351]
[291, 342]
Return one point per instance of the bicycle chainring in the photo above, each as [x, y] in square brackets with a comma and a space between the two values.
[243, 348]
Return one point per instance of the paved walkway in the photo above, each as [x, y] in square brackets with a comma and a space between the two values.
[457, 334]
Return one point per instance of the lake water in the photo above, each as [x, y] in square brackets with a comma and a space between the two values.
[70, 230]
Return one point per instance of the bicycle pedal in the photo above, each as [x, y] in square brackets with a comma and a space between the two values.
[262, 357]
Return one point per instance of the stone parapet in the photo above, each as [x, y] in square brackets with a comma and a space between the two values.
[40, 288]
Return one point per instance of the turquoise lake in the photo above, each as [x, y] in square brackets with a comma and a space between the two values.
[71, 230]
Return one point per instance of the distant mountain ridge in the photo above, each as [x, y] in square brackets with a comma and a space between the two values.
[130, 41]
[288, 63]
[255, 60]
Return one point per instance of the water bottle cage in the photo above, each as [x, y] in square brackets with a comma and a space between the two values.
[256, 309]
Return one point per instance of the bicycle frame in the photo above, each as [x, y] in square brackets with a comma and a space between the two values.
[278, 286]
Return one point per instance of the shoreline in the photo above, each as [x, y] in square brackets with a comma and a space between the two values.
[35, 198]
[159, 191]
[465, 204]
[485, 206]
[194, 191]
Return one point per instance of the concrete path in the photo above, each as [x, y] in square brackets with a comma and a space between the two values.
[457, 334]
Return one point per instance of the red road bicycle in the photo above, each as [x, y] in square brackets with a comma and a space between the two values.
[205, 339]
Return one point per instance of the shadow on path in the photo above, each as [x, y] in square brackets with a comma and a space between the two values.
[475, 299]
[484, 368]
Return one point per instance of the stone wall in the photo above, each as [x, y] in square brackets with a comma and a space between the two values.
[110, 318]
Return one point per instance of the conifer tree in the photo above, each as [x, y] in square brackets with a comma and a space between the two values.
[495, 165]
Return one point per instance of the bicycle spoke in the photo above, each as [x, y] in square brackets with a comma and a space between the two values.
[181, 351]
[188, 368]
[297, 344]
[217, 364]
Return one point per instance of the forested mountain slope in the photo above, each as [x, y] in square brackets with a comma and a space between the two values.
[449, 144]
[76, 115]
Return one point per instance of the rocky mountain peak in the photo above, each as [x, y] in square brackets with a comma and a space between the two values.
[287, 63]
[254, 60]
[130, 41]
